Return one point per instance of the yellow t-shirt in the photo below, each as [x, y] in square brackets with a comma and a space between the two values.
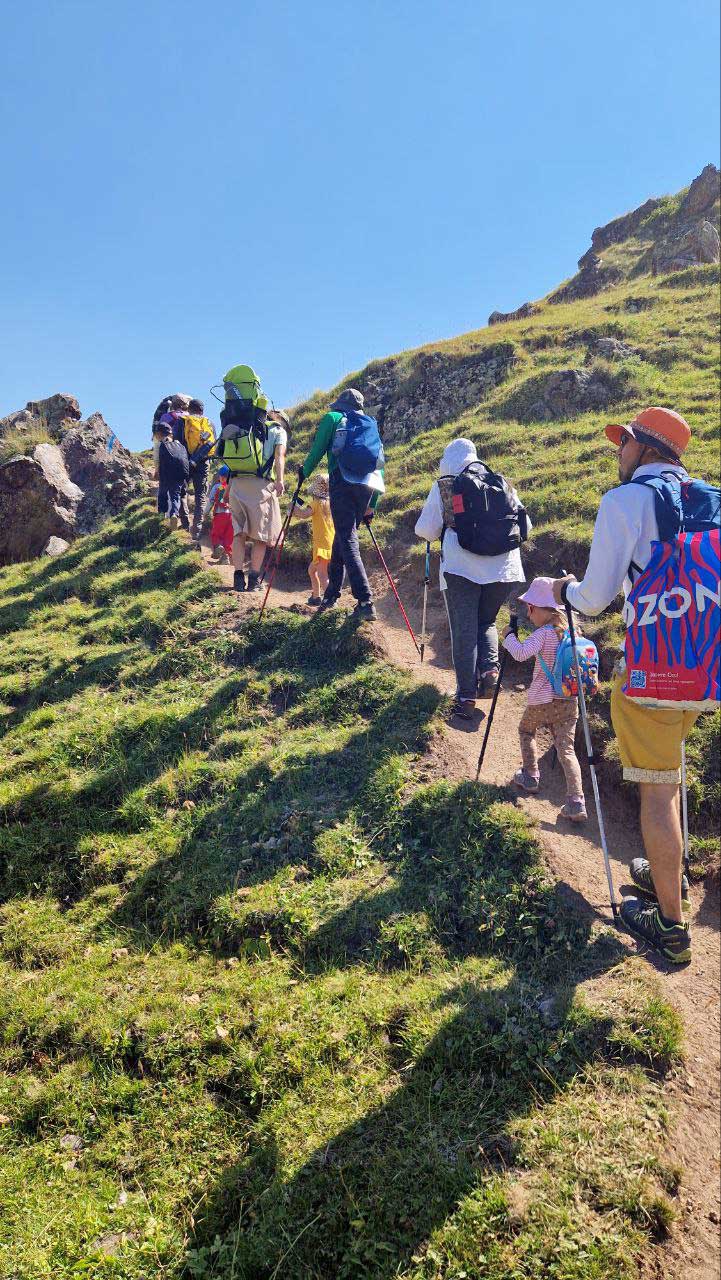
[322, 527]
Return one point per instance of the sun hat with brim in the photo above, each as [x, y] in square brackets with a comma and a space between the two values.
[540, 593]
[660, 429]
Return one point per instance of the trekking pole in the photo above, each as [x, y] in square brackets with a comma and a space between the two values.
[591, 761]
[426, 581]
[367, 524]
[496, 691]
[277, 549]
[684, 807]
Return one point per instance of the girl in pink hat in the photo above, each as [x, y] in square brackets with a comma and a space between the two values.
[545, 710]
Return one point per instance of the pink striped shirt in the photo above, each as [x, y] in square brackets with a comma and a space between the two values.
[544, 641]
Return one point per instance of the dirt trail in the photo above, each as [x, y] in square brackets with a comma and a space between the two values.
[574, 854]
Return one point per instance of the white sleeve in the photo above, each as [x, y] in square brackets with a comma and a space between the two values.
[615, 536]
[429, 524]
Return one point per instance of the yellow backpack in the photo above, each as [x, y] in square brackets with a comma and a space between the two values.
[199, 438]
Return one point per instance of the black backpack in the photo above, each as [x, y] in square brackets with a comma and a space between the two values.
[487, 518]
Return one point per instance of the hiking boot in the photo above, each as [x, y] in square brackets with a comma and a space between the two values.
[217, 553]
[173, 523]
[254, 582]
[328, 602]
[575, 810]
[314, 600]
[365, 612]
[672, 941]
[487, 681]
[640, 872]
[525, 780]
[463, 708]
[239, 580]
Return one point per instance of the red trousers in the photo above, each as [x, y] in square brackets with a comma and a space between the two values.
[221, 531]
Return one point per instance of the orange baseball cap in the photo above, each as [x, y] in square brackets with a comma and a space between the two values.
[662, 429]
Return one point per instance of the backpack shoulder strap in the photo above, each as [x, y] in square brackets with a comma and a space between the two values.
[667, 498]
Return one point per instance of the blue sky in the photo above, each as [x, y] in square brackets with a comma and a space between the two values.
[307, 186]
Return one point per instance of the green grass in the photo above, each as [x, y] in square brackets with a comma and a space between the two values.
[269, 1007]
[21, 441]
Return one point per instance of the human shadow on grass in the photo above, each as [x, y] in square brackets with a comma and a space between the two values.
[365, 1202]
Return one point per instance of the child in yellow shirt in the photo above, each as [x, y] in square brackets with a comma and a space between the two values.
[322, 532]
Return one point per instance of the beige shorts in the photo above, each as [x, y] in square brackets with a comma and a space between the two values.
[649, 738]
[255, 508]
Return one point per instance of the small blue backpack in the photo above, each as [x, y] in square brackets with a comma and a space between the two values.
[357, 445]
[562, 678]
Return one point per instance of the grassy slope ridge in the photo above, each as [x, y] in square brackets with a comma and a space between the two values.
[269, 1006]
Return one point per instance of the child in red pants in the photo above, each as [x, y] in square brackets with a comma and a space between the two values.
[221, 529]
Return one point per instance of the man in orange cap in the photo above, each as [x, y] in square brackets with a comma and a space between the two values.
[649, 738]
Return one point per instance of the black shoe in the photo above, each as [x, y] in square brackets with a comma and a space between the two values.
[487, 683]
[463, 708]
[328, 602]
[672, 941]
[314, 600]
[239, 580]
[640, 872]
[254, 583]
[365, 612]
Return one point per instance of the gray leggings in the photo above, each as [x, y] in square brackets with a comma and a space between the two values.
[472, 609]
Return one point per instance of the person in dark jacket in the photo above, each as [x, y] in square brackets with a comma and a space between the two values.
[173, 468]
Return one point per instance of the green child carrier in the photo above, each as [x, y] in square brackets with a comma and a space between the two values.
[243, 422]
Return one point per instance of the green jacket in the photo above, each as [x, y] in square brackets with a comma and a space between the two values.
[323, 445]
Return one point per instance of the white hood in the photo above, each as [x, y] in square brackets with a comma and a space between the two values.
[457, 455]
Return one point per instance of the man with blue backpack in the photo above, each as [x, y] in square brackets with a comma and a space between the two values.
[657, 537]
[350, 441]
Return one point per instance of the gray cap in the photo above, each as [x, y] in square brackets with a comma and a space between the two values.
[348, 400]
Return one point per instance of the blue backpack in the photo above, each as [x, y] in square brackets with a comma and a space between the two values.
[562, 678]
[357, 445]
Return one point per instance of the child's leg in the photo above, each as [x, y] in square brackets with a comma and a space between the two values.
[314, 580]
[527, 729]
[322, 572]
[564, 733]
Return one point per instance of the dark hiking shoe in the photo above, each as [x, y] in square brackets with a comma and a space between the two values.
[672, 941]
[463, 708]
[217, 553]
[640, 872]
[525, 780]
[487, 682]
[365, 612]
[574, 810]
[328, 602]
[239, 580]
[254, 582]
[314, 600]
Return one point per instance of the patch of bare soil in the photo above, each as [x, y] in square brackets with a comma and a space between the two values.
[574, 855]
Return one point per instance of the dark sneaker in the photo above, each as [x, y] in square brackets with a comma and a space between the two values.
[217, 553]
[328, 602]
[463, 708]
[487, 683]
[254, 582]
[525, 780]
[366, 612]
[239, 580]
[640, 872]
[672, 941]
[314, 600]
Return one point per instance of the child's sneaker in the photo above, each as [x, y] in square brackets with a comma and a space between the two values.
[525, 780]
[173, 523]
[574, 810]
[672, 941]
[640, 872]
[218, 552]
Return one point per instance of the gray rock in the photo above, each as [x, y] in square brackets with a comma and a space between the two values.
[38, 501]
[55, 547]
[613, 349]
[548, 1010]
[704, 191]
[567, 392]
[522, 312]
[590, 280]
[687, 246]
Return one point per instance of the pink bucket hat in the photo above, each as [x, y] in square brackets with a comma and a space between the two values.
[540, 593]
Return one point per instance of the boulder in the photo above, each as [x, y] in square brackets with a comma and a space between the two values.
[55, 547]
[590, 280]
[613, 349]
[522, 313]
[568, 392]
[105, 470]
[38, 501]
[703, 193]
[687, 246]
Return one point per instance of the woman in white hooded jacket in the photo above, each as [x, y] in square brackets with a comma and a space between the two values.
[474, 587]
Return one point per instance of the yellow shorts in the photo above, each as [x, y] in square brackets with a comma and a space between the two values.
[649, 738]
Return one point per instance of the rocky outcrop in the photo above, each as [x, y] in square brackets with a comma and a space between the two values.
[703, 193]
[521, 313]
[65, 486]
[568, 392]
[591, 279]
[613, 349]
[687, 246]
[620, 228]
[433, 388]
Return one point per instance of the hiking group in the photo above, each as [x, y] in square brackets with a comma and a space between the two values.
[656, 538]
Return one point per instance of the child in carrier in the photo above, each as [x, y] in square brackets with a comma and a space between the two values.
[545, 710]
[221, 527]
[323, 533]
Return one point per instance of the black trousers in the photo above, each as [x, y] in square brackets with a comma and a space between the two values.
[348, 505]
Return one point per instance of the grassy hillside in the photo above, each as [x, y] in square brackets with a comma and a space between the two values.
[270, 1005]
